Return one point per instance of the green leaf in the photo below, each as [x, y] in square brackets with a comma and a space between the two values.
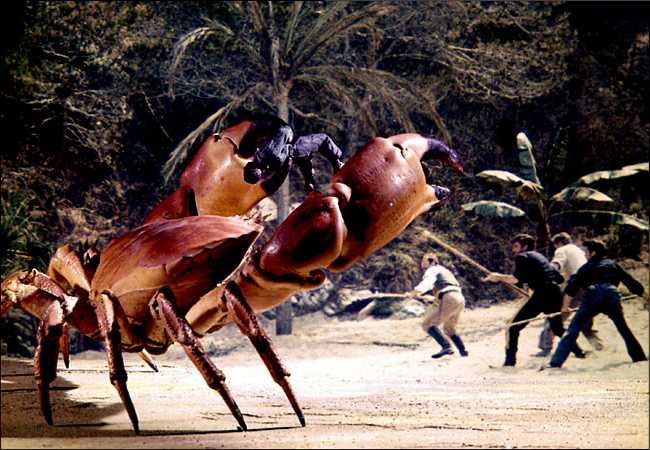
[488, 208]
[527, 190]
[572, 194]
[601, 175]
[607, 217]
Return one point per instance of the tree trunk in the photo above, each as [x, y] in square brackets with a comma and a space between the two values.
[283, 312]
[543, 231]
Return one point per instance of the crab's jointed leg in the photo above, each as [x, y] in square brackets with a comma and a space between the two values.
[67, 268]
[108, 309]
[64, 344]
[146, 357]
[244, 316]
[162, 306]
[46, 356]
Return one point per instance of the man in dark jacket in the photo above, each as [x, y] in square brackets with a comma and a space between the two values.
[599, 278]
[532, 268]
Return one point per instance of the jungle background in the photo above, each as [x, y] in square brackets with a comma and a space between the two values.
[95, 98]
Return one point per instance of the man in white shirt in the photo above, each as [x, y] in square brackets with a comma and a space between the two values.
[567, 259]
[451, 303]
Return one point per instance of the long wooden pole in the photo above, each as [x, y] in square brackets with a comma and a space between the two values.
[469, 260]
[426, 298]
[371, 298]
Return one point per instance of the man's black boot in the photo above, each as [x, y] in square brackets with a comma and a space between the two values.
[578, 352]
[458, 342]
[446, 349]
[511, 357]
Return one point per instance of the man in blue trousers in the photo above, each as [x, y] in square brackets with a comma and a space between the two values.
[599, 278]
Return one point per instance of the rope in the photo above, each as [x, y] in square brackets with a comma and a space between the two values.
[546, 316]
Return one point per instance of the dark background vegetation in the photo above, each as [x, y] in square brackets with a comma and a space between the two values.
[94, 97]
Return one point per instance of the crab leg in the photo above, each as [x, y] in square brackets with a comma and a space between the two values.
[162, 305]
[64, 344]
[146, 357]
[244, 316]
[105, 307]
[46, 356]
[66, 268]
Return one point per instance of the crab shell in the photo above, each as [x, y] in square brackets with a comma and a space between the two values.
[191, 256]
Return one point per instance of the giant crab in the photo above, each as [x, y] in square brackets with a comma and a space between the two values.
[231, 173]
[176, 280]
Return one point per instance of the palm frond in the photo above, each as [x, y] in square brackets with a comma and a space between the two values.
[605, 217]
[526, 189]
[296, 9]
[187, 40]
[324, 29]
[397, 94]
[606, 175]
[572, 194]
[489, 208]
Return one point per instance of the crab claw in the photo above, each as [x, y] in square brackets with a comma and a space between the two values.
[441, 152]
[32, 291]
[442, 193]
[442, 196]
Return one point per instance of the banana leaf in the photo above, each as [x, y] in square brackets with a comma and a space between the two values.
[489, 208]
[572, 194]
[607, 218]
[527, 190]
[526, 158]
[601, 175]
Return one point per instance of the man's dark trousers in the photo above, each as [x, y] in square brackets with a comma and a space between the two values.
[599, 298]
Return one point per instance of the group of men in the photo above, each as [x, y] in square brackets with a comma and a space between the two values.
[571, 281]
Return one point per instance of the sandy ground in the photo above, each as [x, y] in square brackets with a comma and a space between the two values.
[362, 384]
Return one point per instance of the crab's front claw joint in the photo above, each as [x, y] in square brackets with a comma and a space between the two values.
[12, 291]
[32, 290]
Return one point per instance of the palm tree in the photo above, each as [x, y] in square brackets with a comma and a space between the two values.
[278, 55]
